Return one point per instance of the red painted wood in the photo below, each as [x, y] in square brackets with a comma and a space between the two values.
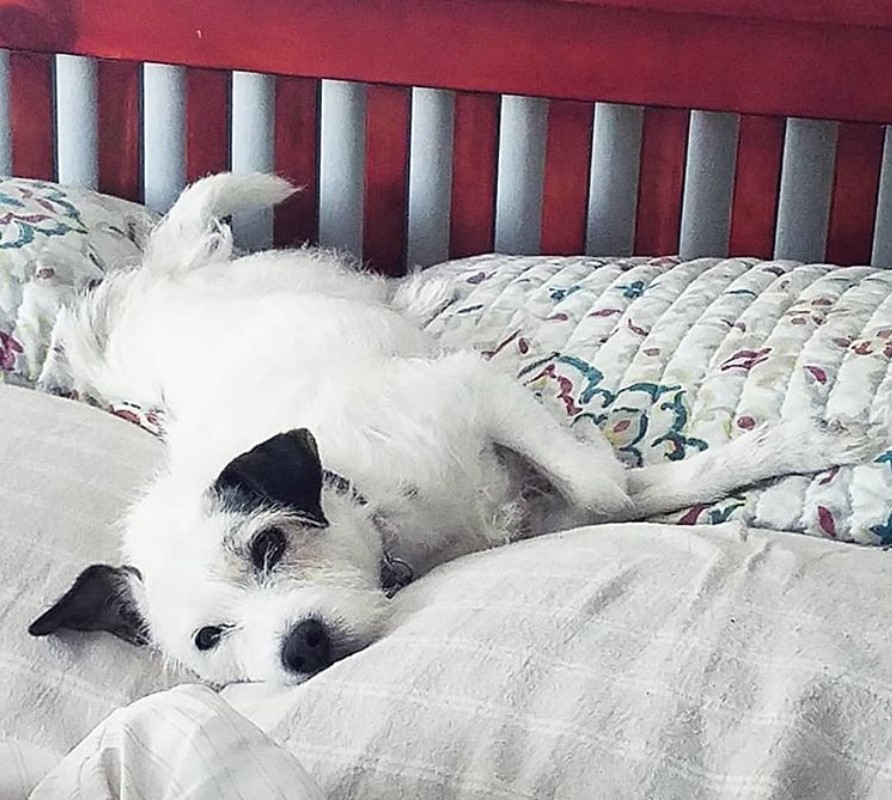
[208, 104]
[31, 112]
[297, 158]
[120, 129]
[568, 156]
[386, 203]
[760, 150]
[475, 159]
[664, 144]
[837, 12]
[853, 206]
[832, 63]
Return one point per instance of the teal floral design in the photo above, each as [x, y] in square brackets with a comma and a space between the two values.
[883, 532]
[633, 290]
[884, 458]
[41, 209]
[625, 415]
[557, 294]
[719, 515]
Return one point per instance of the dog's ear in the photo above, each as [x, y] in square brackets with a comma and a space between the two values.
[284, 470]
[101, 599]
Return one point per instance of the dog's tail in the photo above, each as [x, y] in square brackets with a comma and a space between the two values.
[193, 232]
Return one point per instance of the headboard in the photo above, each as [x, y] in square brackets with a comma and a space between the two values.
[567, 128]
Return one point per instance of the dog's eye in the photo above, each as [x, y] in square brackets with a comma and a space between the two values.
[267, 548]
[208, 637]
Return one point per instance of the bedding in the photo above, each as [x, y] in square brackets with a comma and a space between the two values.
[619, 661]
[184, 744]
[670, 356]
[66, 473]
[636, 660]
[53, 241]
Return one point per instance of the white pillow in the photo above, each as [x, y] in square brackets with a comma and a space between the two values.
[623, 661]
[66, 473]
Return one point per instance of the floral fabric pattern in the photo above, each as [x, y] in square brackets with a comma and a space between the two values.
[669, 357]
[53, 241]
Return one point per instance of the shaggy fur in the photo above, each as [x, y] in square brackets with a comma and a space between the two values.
[322, 449]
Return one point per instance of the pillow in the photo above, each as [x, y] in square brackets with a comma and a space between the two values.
[620, 661]
[53, 240]
[67, 472]
[670, 356]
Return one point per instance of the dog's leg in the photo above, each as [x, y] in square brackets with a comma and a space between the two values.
[784, 447]
[585, 471]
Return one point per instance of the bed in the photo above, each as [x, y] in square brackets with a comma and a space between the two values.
[667, 219]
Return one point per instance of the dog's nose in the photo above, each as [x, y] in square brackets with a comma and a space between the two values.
[307, 648]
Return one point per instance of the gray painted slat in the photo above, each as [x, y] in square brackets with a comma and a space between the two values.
[430, 176]
[5, 130]
[342, 165]
[805, 192]
[164, 119]
[613, 192]
[77, 155]
[253, 115]
[708, 185]
[520, 172]
[882, 237]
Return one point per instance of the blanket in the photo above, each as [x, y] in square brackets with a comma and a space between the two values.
[670, 357]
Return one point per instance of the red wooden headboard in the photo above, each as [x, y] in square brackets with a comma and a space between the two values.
[765, 59]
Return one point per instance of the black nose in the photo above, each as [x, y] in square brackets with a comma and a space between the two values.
[307, 648]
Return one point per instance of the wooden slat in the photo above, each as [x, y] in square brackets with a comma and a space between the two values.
[568, 156]
[664, 142]
[760, 150]
[208, 104]
[120, 129]
[31, 112]
[824, 60]
[859, 157]
[386, 198]
[475, 159]
[297, 158]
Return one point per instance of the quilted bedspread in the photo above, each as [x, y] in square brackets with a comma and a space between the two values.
[671, 357]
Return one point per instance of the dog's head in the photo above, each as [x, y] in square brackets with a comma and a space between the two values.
[270, 573]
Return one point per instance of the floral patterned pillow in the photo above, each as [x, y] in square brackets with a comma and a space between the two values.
[53, 241]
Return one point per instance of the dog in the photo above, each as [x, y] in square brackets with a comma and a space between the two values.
[323, 450]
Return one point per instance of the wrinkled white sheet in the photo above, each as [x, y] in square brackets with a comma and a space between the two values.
[621, 661]
[618, 662]
[183, 744]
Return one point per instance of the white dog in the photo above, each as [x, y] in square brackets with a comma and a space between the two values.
[323, 450]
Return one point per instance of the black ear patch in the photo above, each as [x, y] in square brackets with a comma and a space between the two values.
[284, 470]
[100, 600]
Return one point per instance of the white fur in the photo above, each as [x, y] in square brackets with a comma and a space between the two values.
[449, 452]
